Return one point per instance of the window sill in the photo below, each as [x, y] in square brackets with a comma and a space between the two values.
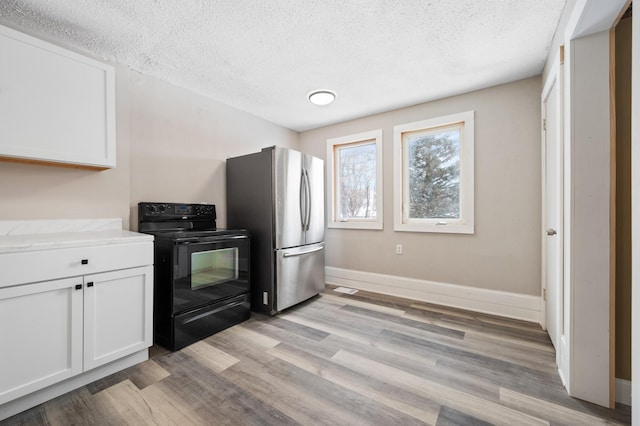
[355, 225]
[449, 228]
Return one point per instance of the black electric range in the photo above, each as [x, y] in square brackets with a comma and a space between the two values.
[201, 273]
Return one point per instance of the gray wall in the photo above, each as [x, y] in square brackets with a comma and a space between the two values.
[180, 142]
[504, 252]
[172, 145]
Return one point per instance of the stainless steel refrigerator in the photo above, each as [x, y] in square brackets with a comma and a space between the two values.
[278, 195]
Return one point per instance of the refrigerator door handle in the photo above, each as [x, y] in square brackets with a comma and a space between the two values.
[301, 253]
[308, 218]
[303, 200]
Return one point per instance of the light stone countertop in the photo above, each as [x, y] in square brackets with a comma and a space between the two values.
[16, 236]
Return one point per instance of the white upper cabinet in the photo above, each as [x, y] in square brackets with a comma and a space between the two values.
[56, 106]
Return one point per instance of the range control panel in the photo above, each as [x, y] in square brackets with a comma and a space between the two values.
[161, 212]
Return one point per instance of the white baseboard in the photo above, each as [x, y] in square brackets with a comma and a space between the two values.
[623, 391]
[501, 303]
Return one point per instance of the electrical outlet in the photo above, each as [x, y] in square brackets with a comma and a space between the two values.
[398, 248]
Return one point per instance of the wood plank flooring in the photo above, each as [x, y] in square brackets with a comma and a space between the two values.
[338, 359]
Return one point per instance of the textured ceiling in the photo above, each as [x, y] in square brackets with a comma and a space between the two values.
[265, 56]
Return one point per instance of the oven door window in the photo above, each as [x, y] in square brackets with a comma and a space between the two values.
[213, 267]
[209, 271]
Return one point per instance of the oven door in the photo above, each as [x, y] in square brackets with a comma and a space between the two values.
[209, 270]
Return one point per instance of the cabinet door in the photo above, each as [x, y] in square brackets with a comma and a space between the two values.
[56, 106]
[118, 312]
[41, 329]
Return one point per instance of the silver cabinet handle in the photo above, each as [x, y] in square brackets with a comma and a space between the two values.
[300, 253]
[551, 231]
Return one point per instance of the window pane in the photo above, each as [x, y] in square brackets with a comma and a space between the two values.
[434, 174]
[357, 181]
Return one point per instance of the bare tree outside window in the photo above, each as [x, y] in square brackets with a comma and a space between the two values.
[434, 174]
[357, 180]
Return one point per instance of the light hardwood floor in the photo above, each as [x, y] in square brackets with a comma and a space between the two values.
[337, 359]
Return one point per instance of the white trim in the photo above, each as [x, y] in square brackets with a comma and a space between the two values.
[571, 27]
[464, 225]
[623, 391]
[376, 223]
[505, 304]
[551, 77]
[567, 233]
[560, 372]
[593, 16]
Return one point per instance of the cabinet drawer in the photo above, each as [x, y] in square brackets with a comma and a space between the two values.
[33, 266]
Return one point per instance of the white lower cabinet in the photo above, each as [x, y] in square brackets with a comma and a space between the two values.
[117, 314]
[53, 330]
[41, 333]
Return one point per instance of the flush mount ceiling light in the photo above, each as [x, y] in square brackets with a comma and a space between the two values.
[321, 97]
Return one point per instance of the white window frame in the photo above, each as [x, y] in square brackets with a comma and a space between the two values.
[332, 192]
[463, 225]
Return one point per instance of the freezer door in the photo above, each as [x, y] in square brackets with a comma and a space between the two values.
[289, 204]
[299, 274]
[314, 168]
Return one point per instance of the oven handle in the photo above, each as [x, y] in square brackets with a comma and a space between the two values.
[215, 311]
[300, 253]
[205, 240]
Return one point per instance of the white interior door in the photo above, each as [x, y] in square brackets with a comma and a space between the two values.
[552, 220]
